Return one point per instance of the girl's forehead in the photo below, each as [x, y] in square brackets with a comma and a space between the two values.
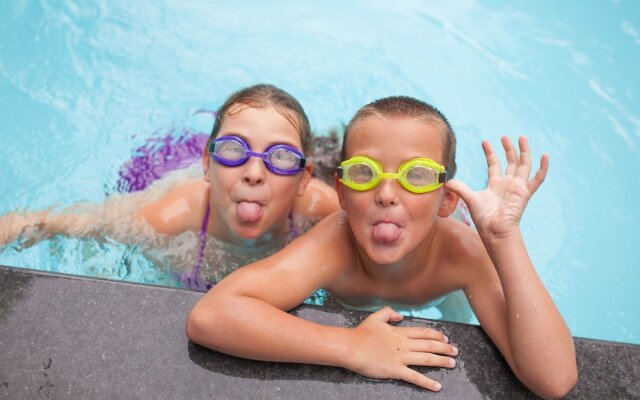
[285, 115]
[260, 124]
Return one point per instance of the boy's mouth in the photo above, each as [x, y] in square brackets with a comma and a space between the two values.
[249, 211]
[386, 232]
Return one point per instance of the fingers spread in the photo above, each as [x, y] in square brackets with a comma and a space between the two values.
[512, 156]
[425, 333]
[524, 166]
[412, 376]
[429, 360]
[461, 189]
[492, 160]
[432, 346]
[540, 175]
[387, 314]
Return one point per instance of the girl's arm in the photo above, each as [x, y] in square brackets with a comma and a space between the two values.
[114, 218]
[509, 299]
[165, 208]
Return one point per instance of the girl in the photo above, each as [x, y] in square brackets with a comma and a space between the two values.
[257, 190]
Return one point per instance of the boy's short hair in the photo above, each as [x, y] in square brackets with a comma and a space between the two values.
[263, 95]
[408, 107]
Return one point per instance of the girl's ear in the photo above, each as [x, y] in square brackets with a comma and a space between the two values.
[449, 203]
[307, 174]
[206, 163]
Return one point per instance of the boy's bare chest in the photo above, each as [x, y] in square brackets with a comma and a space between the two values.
[359, 289]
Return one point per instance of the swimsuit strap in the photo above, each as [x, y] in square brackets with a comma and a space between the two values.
[203, 238]
[193, 279]
[293, 231]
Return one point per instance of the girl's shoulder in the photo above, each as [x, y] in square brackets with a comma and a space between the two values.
[179, 209]
[318, 201]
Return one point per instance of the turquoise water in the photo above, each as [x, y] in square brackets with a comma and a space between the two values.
[82, 85]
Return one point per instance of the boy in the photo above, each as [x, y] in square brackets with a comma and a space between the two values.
[393, 242]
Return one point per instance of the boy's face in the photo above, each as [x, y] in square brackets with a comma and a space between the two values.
[389, 222]
[249, 200]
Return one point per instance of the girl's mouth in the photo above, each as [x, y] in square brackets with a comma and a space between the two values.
[249, 211]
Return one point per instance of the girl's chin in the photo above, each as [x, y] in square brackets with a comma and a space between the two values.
[249, 232]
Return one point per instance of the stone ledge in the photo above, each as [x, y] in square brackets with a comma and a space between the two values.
[64, 337]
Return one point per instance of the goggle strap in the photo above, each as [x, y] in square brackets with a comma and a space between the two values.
[443, 176]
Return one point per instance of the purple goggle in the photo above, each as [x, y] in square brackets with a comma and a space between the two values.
[281, 159]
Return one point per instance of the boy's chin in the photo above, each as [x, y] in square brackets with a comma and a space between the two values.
[385, 256]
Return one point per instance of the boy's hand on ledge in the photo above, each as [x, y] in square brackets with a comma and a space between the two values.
[497, 210]
[384, 351]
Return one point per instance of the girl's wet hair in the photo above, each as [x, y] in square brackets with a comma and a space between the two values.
[262, 95]
[408, 107]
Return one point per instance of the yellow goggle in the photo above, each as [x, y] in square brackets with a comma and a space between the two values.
[419, 175]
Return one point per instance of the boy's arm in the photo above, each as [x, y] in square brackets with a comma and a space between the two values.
[244, 315]
[510, 300]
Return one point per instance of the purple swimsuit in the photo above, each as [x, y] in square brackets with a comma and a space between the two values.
[194, 279]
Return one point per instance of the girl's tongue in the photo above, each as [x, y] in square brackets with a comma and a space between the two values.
[248, 211]
[385, 232]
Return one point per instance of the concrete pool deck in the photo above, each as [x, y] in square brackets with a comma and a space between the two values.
[64, 337]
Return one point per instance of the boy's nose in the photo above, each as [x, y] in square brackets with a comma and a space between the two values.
[387, 193]
[254, 171]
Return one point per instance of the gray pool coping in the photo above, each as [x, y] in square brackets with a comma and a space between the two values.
[67, 337]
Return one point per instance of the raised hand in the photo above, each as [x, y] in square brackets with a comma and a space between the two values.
[497, 210]
[384, 351]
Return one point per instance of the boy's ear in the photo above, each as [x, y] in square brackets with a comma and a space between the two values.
[449, 203]
[206, 164]
[307, 174]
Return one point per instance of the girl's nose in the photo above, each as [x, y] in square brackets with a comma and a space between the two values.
[254, 172]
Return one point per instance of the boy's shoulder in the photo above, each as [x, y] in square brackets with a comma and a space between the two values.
[462, 249]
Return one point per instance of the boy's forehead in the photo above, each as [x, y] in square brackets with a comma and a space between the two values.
[384, 132]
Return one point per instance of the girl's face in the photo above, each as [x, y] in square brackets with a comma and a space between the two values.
[249, 201]
[388, 221]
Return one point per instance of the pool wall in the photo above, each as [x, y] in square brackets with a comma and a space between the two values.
[66, 337]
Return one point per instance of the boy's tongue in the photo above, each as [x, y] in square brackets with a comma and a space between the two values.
[385, 232]
[248, 211]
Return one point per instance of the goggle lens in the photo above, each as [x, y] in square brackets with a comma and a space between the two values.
[360, 173]
[421, 176]
[284, 158]
[229, 150]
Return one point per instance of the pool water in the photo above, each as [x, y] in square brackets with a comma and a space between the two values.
[82, 85]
